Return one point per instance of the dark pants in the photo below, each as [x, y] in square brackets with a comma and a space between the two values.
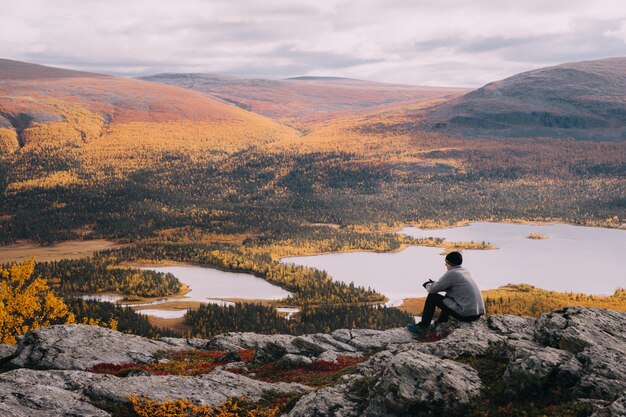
[436, 300]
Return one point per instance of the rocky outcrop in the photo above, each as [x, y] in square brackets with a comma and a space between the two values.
[80, 347]
[210, 389]
[7, 351]
[575, 351]
[414, 382]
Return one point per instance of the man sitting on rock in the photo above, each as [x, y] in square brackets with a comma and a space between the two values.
[462, 301]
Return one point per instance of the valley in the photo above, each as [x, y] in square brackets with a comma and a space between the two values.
[237, 174]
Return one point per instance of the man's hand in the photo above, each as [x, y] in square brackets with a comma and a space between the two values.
[430, 281]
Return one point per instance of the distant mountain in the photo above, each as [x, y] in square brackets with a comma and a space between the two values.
[585, 100]
[40, 104]
[302, 97]
[17, 70]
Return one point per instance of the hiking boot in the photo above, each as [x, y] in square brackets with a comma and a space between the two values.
[416, 329]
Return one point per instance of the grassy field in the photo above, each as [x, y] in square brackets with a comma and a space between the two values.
[71, 249]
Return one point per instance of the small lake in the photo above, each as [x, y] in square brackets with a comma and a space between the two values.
[210, 283]
[206, 284]
[573, 259]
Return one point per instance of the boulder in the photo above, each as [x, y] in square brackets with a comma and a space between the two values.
[185, 343]
[597, 339]
[576, 328]
[76, 346]
[375, 341]
[7, 351]
[463, 339]
[414, 382]
[293, 361]
[210, 389]
[327, 402]
[38, 399]
[616, 409]
[532, 371]
[237, 341]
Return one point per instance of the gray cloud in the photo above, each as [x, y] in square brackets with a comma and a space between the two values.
[448, 42]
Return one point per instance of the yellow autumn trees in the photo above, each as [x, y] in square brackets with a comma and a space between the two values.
[27, 303]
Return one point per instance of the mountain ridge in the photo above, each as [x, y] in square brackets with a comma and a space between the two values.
[584, 100]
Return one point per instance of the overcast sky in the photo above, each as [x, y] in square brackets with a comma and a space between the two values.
[442, 42]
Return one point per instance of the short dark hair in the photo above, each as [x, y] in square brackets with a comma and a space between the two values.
[454, 258]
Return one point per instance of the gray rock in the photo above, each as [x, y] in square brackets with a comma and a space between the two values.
[7, 350]
[471, 339]
[373, 341]
[316, 344]
[210, 389]
[293, 361]
[513, 327]
[327, 402]
[271, 352]
[597, 339]
[531, 371]
[76, 346]
[186, 343]
[616, 409]
[36, 398]
[238, 341]
[576, 328]
[417, 382]
[332, 356]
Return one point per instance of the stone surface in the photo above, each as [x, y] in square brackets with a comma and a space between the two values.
[463, 339]
[292, 361]
[367, 341]
[597, 339]
[248, 340]
[185, 343]
[80, 347]
[7, 350]
[530, 371]
[576, 350]
[210, 389]
[37, 398]
[327, 402]
[616, 409]
[414, 381]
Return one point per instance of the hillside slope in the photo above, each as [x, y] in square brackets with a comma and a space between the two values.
[113, 119]
[303, 97]
[584, 100]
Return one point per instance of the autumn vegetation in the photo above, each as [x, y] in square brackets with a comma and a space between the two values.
[526, 300]
[26, 303]
[182, 176]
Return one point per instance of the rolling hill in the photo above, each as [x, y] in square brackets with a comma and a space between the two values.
[584, 100]
[115, 118]
[93, 156]
[294, 100]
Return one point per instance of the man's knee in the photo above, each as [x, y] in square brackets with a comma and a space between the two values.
[435, 297]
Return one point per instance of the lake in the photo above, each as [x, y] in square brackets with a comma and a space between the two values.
[207, 284]
[573, 258]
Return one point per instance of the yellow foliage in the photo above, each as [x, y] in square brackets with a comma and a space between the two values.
[233, 407]
[526, 300]
[89, 321]
[55, 179]
[8, 140]
[27, 303]
[78, 125]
